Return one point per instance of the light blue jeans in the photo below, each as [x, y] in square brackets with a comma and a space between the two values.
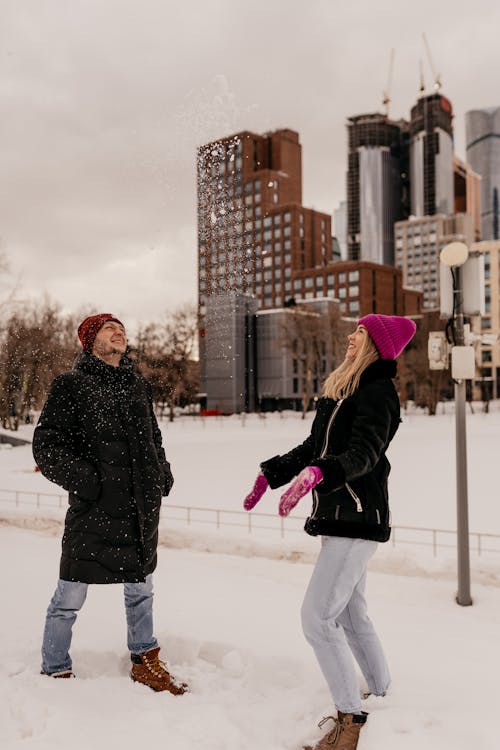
[69, 598]
[336, 623]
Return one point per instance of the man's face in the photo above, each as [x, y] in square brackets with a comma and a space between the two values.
[110, 339]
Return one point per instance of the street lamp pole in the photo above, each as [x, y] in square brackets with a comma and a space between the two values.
[454, 255]
[463, 595]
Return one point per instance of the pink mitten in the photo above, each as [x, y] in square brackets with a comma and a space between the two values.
[253, 497]
[306, 481]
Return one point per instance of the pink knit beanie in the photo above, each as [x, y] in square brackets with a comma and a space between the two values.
[390, 333]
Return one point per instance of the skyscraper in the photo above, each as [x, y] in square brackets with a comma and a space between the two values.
[482, 129]
[377, 186]
[431, 156]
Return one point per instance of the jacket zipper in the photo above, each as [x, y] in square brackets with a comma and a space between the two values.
[323, 451]
[356, 499]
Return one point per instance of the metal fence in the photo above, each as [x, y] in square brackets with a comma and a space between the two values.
[480, 543]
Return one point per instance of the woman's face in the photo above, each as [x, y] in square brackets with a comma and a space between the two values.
[355, 341]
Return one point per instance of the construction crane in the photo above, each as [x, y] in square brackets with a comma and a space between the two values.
[436, 76]
[386, 95]
[422, 82]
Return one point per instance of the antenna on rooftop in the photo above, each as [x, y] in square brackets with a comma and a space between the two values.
[386, 95]
[435, 75]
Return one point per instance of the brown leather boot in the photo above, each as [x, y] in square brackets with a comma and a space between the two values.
[60, 675]
[345, 732]
[151, 671]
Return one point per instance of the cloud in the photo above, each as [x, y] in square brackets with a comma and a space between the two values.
[103, 104]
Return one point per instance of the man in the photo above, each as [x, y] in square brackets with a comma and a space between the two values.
[98, 438]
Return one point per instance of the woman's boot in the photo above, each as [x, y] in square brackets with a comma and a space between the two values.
[345, 732]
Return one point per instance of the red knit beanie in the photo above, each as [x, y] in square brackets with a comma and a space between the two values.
[90, 327]
[389, 333]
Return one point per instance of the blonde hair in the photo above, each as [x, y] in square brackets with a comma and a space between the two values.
[344, 380]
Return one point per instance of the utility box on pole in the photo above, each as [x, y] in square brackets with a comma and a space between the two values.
[437, 350]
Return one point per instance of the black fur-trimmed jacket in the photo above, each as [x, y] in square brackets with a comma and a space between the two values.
[98, 438]
[348, 442]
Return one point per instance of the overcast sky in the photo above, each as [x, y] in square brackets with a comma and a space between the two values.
[103, 103]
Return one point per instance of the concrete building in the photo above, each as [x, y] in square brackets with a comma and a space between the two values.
[377, 185]
[418, 244]
[467, 189]
[228, 377]
[488, 356]
[431, 156]
[340, 228]
[482, 132]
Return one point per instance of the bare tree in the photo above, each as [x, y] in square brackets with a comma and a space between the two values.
[316, 341]
[38, 343]
[165, 354]
[417, 382]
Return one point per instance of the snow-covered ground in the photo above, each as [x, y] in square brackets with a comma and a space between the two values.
[215, 461]
[230, 626]
[227, 607]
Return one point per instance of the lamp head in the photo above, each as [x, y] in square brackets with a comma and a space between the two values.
[454, 254]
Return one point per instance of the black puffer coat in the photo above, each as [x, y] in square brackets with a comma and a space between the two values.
[98, 438]
[348, 441]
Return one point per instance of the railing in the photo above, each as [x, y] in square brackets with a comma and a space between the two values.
[480, 542]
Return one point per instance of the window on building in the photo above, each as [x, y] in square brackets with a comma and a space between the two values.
[487, 267]
[342, 292]
[309, 295]
[287, 245]
[288, 273]
[486, 355]
[297, 284]
[319, 281]
[353, 275]
[286, 231]
[342, 278]
[277, 219]
[354, 306]
[286, 217]
[353, 291]
[308, 282]
[287, 258]
[256, 185]
[267, 221]
[485, 323]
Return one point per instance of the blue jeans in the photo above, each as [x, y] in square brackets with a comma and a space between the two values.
[336, 623]
[69, 598]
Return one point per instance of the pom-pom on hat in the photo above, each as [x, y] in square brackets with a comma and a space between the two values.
[390, 333]
[90, 327]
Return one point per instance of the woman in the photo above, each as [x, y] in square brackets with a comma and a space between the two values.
[343, 460]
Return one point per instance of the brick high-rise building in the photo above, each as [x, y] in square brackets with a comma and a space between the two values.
[253, 231]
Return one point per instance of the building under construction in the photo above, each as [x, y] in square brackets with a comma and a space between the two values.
[377, 185]
[431, 156]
